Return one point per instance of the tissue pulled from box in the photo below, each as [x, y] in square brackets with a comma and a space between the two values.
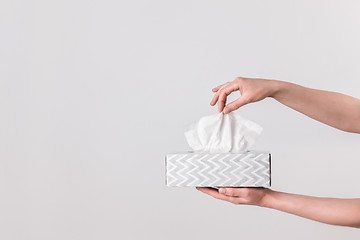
[222, 133]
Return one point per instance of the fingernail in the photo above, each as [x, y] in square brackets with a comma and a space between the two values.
[222, 190]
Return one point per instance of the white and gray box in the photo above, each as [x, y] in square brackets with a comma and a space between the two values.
[191, 169]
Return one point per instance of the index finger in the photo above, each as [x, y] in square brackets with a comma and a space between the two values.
[224, 92]
[220, 86]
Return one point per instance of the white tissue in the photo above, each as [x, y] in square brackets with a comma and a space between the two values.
[221, 133]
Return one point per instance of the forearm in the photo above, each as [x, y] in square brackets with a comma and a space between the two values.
[334, 109]
[344, 212]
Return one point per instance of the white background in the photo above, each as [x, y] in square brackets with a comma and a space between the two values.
[93, 94]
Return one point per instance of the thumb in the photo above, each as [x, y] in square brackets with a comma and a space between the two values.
[241, 101]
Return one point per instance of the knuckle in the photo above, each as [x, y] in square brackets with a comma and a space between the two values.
[222, 97]
[222, 190]
[239, 79]
[245, 192]
[230, 192]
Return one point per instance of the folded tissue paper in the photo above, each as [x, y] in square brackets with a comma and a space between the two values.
[220, 156]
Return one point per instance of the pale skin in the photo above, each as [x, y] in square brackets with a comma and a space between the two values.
[334, 109]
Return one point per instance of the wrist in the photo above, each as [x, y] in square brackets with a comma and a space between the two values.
[268, 199]
[276, 88]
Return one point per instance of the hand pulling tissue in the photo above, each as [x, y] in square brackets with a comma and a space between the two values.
[220, 156]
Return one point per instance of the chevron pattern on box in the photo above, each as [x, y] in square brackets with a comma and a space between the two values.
[250, 169]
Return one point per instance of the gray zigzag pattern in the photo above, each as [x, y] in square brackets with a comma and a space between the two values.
[250, 169]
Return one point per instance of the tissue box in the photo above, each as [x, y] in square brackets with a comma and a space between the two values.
[190, 169]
